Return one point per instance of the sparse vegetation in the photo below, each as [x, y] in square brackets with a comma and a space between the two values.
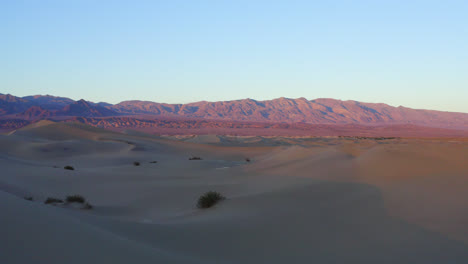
[195, 158]
[370, 138]
[68, 167]
[247, 160]
[384, 138]
[136, 163]
[70, 199]
[209, 199]
[75, 199]
[28, 198]
[154, 161]
[51, 200]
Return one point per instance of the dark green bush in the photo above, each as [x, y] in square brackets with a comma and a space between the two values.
[75, 199]
[50, 200]
[209, 199]
[69, 168]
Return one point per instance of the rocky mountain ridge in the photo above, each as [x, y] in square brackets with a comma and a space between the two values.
[281, 110]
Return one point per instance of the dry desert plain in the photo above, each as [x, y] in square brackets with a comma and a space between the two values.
[298, 200]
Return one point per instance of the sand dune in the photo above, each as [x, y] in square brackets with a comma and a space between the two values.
[299, 199]
[43, 234]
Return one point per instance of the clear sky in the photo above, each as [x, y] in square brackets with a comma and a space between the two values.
[412, 53]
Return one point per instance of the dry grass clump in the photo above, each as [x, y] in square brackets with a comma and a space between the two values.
[70, 199]
[51, 200]
[75, 199]
[209, 199]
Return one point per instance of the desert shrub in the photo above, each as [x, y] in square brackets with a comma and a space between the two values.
[75, 199]
[195, 158]
[69, 167]
[28, 198]
[50, 200]
[136, 163]
[209, 199]
[247, 160]
[154, 161]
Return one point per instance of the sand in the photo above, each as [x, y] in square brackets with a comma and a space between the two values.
[298, 200]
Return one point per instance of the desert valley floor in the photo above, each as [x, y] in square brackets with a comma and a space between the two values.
[298, 199]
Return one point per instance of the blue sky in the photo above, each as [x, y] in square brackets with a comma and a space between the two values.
[411, 53]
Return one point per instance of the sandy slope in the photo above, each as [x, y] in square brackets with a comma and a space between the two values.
[299, 200]
[36, 233]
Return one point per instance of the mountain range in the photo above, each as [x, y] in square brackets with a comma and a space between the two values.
[28, 109]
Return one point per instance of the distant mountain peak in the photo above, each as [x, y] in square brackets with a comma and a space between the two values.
[83, 102]
[279, 110]
[11, 98]
[86, 109]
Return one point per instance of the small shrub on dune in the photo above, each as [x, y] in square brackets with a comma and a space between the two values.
[153, 161]
[28, 198]
[51, 200]
[136, 163]
[75, 199]
[247, 160]
[209, 199]
[195, 158]
[69, 168]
